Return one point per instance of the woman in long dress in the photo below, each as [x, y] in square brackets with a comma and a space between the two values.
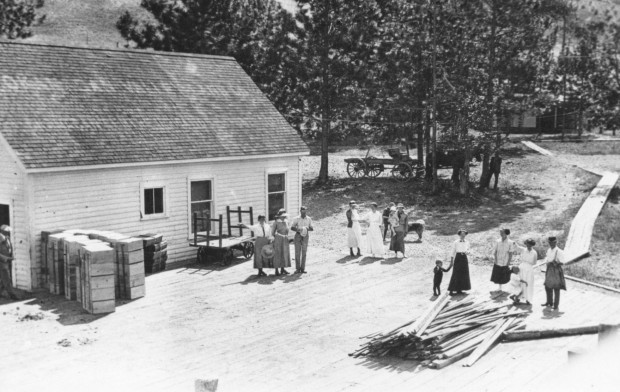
[528, 257]
[282, 253]
[397, 242]
[375, 230]
[354, 230]
[262, 235]
[459, 280]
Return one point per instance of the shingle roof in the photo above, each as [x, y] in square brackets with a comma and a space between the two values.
[62, 107]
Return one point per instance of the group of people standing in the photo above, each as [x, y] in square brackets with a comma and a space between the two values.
[397, 222]
[271, 246]
[518, 278]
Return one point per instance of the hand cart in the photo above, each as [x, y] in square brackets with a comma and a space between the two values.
[214, 244]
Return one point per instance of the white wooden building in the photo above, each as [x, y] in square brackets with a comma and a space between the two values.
[134, 142]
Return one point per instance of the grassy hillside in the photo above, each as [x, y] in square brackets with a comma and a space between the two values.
[82, 22]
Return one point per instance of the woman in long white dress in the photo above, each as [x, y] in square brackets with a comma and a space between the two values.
[375, 230]
[529, 257]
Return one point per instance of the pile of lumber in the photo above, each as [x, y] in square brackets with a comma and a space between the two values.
[93, 267]
[155, 252]
[447, 332]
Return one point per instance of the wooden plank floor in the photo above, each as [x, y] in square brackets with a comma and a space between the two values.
[270, 334]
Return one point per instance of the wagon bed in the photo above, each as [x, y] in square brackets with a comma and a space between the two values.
[403, 167]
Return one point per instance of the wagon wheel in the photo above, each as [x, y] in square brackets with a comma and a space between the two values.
[201, 255]
[402, 172]
[374, 170]
[356, 169]
[227, 257]
[248, 249]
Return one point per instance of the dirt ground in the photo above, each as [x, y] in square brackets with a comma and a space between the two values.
[537, 196]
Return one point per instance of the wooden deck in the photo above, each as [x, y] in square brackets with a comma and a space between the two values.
[272, 334]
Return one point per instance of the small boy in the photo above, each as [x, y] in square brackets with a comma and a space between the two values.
[515, 286]
[438, 276]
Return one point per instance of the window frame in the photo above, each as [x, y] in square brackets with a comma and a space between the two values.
[153, 185]
[273, 171]
[190, 223]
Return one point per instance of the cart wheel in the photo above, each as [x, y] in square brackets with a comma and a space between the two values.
[402, 172]
[374, 170]
[356, 169]
[228, 257]
[248, 250]
[201, 255]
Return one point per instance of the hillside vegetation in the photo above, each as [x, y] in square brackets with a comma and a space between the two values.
[92, 22]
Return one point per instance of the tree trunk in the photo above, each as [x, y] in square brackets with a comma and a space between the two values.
[464, 174]
[323, 173]
[485, 177]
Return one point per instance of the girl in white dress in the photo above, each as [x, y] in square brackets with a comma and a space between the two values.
[528, 257]
[375, 228]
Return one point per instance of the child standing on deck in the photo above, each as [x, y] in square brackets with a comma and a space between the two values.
[438, 276]
[516, 285]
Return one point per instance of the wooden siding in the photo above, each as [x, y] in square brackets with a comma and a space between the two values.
[13, 192]
[109, 199]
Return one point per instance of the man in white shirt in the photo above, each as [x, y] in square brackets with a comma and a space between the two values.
[301, 225]
[554, 276]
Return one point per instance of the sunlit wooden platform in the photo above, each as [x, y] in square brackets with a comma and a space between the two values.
[272, 334]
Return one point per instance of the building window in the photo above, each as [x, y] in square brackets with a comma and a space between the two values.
[153, 201]
[276, 193]
[201, 200]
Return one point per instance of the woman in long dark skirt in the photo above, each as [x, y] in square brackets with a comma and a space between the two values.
[460, 270]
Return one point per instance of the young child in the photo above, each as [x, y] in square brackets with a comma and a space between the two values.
[438, 276]
[393, 220]
[516, 285]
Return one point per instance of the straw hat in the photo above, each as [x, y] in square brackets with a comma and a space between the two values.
[462, 231]
[267, 251]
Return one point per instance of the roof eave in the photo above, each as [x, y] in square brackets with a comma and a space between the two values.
[160, 163]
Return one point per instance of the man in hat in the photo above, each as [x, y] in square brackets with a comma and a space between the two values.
[502, 253]
[301, 225]
[554, 276]
[6, 257]
[354, 230]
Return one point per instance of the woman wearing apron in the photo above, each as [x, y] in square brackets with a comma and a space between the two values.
[262, 233]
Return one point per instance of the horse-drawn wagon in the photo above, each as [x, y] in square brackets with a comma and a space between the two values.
[400, 165]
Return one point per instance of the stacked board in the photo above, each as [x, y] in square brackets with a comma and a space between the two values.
[155, 252]
[130, 261]
[55, 255]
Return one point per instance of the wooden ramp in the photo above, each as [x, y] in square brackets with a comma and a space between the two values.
[536, 147]
[580, 234]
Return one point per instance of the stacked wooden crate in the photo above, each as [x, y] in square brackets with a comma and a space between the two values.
[155, 252]
[56, 262]
[130, 256]
[72, 247]
[46, 268]
[97, 278]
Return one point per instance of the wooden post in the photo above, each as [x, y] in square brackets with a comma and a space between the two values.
[228, 220]
[196, 228]
[239, 215]
[220, 233]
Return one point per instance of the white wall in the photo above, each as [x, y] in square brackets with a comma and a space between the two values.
[109, 199]
[13, 193]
